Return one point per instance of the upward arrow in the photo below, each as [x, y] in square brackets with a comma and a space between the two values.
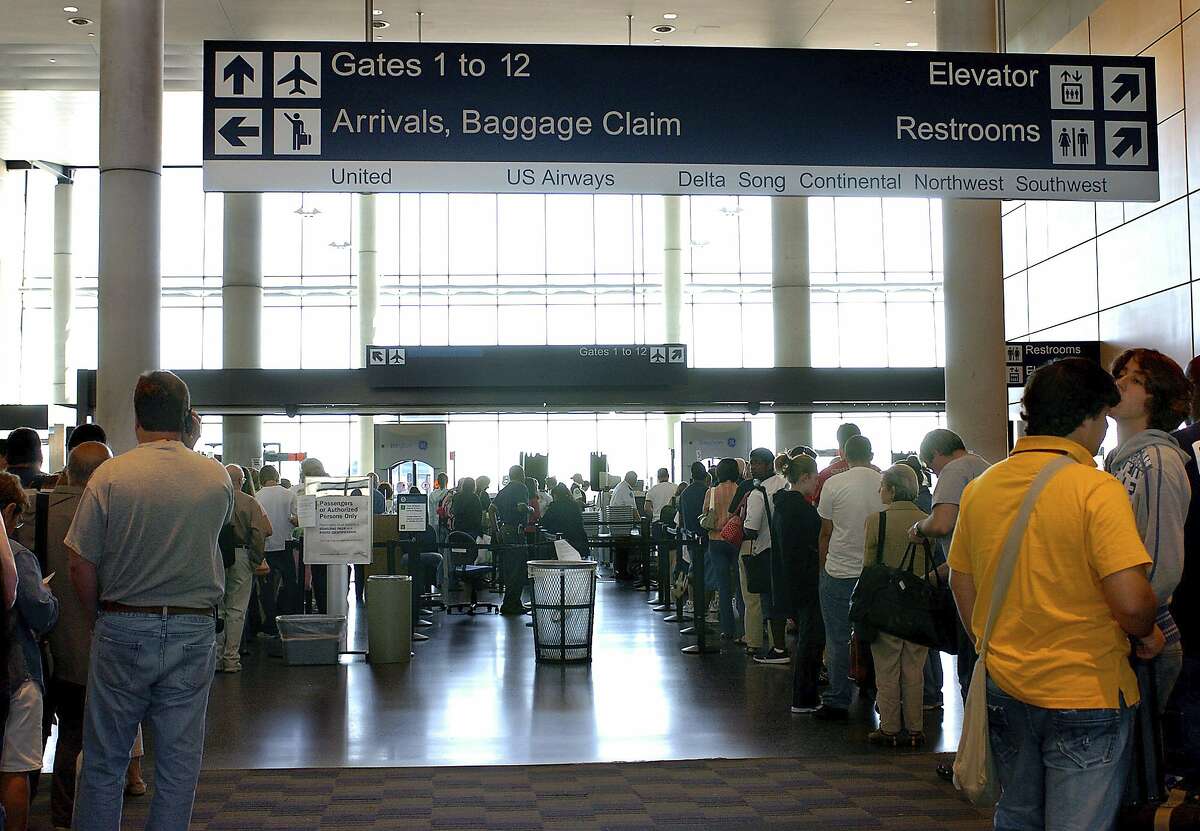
[240, 70]
[1128, 86]
[1130, 137]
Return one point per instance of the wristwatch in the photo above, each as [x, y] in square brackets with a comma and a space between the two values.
[916, 529]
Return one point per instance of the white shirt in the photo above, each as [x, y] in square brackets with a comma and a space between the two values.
[757, 517]
[279, 503]
[847, 500]
[622, 496]
[435, 498]
[658, 498]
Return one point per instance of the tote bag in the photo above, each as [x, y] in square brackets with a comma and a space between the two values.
[974, 768]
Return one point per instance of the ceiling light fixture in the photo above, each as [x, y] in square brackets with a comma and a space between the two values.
[670, 16]
[912, 43]
[877, 43]
[70, 9]
[376, 11]
[379, 24]
[663, 29]
[91, 34]
[54, 60]
[79, 21]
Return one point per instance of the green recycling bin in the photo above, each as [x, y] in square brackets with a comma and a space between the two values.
[389, 618]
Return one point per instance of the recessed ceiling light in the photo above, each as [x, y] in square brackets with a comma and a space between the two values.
[91, 34]
[54, 60]
[912, 43]
[908, 2]
[670, 16]
[70, 9]
[376, 11]
[663, 29]
[658, 40]
[380, 24]
[79, 21]
[877, 43]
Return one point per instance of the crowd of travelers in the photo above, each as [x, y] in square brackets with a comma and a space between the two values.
[128, 581]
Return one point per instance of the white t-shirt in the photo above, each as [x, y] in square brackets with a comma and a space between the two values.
[279, 503]
[756, 512]
[658, 498]
[622, 496]
[847, 500]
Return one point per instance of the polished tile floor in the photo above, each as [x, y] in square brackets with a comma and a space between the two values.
[473, 695]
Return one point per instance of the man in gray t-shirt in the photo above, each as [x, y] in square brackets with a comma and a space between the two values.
[144, 550]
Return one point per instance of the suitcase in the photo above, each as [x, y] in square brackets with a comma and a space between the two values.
[1148, 804]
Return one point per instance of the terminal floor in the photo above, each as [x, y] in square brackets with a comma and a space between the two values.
[473, 695]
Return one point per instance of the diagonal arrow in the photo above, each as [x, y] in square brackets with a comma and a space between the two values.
[1129, 85]
[233, 131]
[1130, 137]
[240, 70]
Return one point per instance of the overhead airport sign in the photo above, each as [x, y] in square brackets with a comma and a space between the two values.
[626, 365]
[444, 117]
[1023, 359]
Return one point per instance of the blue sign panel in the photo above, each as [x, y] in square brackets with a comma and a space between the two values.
[630, 119]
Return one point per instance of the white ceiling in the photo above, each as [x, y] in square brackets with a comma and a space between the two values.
[49, 110]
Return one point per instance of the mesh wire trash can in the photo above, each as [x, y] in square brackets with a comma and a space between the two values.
[564, 606]
[311, 639]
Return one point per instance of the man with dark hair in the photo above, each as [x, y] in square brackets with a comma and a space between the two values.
[845, 432]
[24, 454]
[144, 552]
[282, 595]
[86, 432]
[846, 502]
[1060, 689]
[1151, 466]
[512, 514]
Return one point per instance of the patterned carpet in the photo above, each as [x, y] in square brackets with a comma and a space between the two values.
[848, 792]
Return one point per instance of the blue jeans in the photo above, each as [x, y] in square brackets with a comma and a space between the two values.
[718, 567]
[1060, 770]
[835, 610]
[932, 692]
[154, 669]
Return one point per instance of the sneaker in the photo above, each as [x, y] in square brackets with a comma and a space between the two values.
[135, 787]
[774, 656]
[884, 738]
[827, 713]
[809, 709]
[945, 772]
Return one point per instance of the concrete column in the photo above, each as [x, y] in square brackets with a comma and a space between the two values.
[131, 80]
[672, 304]
[368, 305]
[790, 304]
[241, 315]
[63, 294]
[976, 395]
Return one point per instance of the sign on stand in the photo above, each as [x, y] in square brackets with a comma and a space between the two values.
[494, 118]
[335, 515]
[412, 511]
[1022, 359]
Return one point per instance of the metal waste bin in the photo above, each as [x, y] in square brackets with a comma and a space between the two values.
[389, 618]
[311, 639]
[564, 607]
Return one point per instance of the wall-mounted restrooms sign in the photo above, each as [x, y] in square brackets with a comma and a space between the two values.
[628, 119]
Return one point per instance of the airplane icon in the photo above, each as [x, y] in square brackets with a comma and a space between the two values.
[297, 77]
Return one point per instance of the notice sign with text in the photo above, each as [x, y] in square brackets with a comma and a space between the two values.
[341, 527]
[493, 118]
[412, 511]
[1023, 359]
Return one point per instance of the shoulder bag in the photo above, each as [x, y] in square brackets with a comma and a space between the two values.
[900, 602]
[733, 531]
[708, 519]
[974, 768]
[758, 566]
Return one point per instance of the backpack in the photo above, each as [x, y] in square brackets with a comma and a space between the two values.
[445, 509]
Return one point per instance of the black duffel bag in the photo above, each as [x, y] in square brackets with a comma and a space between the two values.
[901, 602]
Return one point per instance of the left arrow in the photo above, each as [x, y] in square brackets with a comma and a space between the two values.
[233, 131]
[240, 70]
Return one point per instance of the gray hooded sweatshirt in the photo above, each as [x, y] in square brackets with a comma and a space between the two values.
[1151, 467]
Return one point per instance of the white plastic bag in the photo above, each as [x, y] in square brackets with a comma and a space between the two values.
[563, 550]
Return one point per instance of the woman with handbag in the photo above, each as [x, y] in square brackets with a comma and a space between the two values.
[722, 555]
[899, 664]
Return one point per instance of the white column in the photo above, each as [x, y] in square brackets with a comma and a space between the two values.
[368, 304]
[672, 300]
[790, 305]
[63, 294]
[241, 315]
[976, 396]
[131, 79]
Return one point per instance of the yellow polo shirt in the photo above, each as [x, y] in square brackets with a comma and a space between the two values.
[1056, 644]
